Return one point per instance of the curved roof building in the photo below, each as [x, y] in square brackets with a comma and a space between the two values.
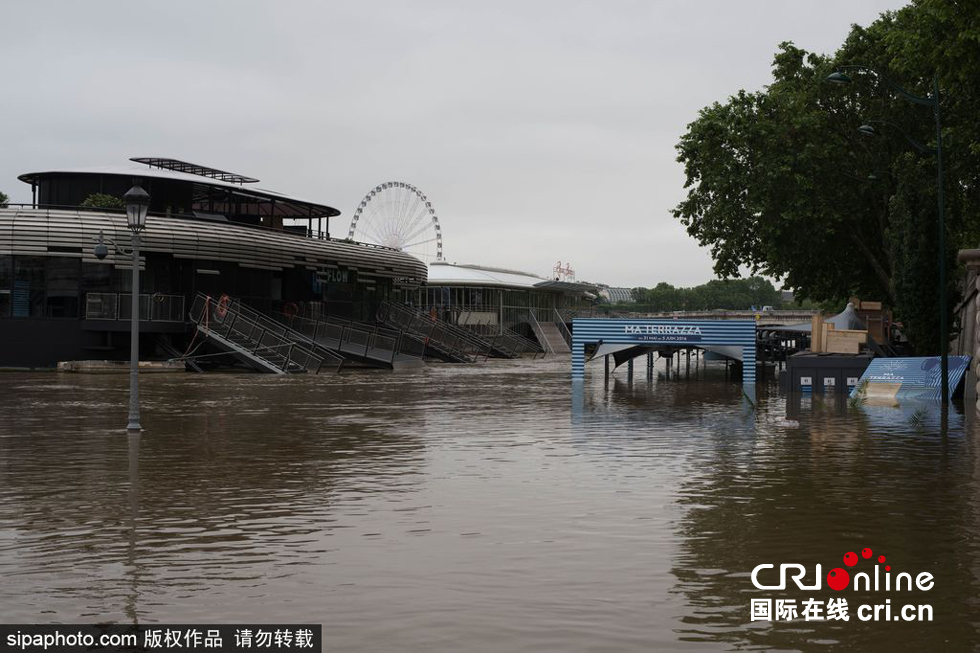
[617, 295]
[491, 300]
[208, 231]
[442, 273]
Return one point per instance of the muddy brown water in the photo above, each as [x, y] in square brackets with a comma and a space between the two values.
[493, 507]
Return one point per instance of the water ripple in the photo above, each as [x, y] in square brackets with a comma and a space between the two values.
[473, 507]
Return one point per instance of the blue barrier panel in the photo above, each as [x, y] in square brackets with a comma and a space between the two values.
[678, 333]
[911, 378]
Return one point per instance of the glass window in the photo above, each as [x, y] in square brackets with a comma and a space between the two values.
[122, 280]
[27, 299]
[61, 289]
[6, 280]
[30, 269]
[96, 277]
[6, 263]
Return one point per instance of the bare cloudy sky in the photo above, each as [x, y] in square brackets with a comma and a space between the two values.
[541, 130]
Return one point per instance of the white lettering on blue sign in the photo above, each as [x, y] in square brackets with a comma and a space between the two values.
[662, 329]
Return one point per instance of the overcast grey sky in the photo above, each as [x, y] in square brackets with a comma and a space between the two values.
[541, 130]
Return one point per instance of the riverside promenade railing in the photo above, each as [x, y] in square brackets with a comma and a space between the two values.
[155, 307]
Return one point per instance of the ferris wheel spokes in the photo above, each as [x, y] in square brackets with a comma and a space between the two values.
[399, 215]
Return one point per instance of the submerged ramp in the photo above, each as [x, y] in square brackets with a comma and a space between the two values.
[553, 338]
[367, 344]
[261, 344]
[550, 337]
[447, 341]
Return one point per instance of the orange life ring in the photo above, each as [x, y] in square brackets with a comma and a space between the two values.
[223, 304]
[290, 309]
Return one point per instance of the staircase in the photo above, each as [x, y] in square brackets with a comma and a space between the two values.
[258, 341]
[514, 344]
[440, 339]
[365, 343]
[551, 334]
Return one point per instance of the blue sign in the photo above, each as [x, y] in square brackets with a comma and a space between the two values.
[910, 378]
[645, 332]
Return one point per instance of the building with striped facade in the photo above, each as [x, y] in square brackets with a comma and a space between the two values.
[208, 231]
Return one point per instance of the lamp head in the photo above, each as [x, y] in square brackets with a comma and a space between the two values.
[867, 130]
[101, 250]
[838, 77]
[137, 203]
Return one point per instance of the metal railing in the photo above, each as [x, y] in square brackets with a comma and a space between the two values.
[261, 339]
[563, 328]
[545, 345]
[155, 307]
[455, 342]
[285, 331]
[355, 338]
[510, 344]
[483, 321]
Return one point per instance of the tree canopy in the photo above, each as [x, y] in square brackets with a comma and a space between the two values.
[3, 200]
[781, 181]
[732, 294]
[102, 201]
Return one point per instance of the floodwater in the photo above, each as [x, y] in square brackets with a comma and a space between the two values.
[493, 507]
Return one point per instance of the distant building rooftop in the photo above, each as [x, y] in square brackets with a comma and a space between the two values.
[442, 273]
[183, 166]
[617, 295]
[205, 182]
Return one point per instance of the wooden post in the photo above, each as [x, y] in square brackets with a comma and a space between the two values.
[816, 333]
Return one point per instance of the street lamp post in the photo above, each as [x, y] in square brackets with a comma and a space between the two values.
[137, 204]
[839, 77]
[867, 129]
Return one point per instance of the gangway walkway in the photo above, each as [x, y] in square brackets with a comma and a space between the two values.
[256, 340]
[450, 344]
[344, 340]
[550, 334]
[365, 343]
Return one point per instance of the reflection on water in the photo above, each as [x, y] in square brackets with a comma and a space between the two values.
[487, 507]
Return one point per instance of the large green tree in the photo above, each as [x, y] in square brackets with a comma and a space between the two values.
[102, 201]
[780, 180]
[734, 294]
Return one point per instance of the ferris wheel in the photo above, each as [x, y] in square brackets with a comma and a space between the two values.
[398, 215]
